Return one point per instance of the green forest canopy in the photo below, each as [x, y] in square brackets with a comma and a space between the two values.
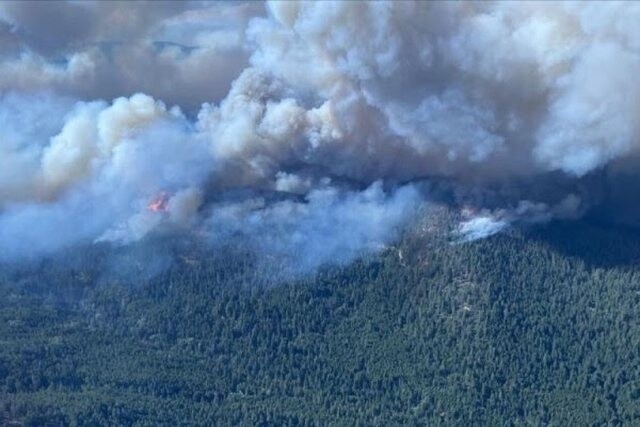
[527, 328]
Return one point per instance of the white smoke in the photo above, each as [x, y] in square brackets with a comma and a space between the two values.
[479, 225]
[330, 226]
[96, 176]
[182, 52]
[454, 87]
[313, 99]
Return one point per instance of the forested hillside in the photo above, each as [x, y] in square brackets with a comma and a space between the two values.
[536, 327]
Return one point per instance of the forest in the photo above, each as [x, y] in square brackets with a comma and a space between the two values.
[539, 326]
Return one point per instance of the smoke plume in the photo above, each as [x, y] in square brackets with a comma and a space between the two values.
[311, 131]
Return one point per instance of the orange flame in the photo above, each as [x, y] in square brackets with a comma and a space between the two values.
[159, 203]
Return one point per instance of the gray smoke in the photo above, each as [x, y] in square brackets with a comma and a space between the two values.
[182, 52]
[317, 113]
[329, 227]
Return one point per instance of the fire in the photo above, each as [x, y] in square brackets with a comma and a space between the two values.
[159, 203]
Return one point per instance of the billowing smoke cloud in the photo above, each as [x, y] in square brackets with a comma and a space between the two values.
[320, 118]
[479, 225]
[463, 88]
[97, 177]
[328, 227]
[182, 52]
